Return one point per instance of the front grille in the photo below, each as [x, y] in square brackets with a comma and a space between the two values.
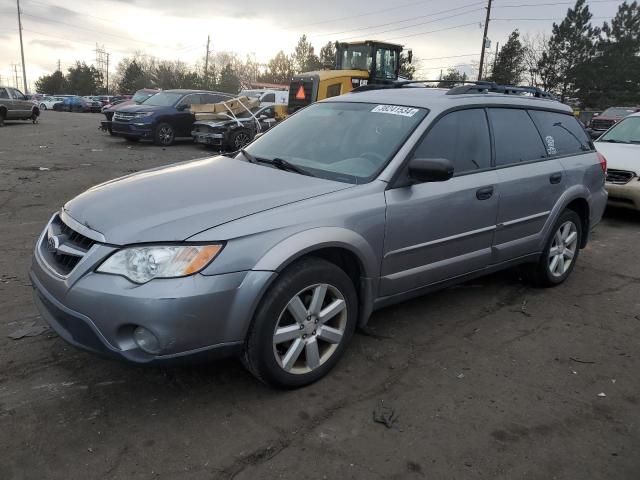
[619, 177]
[123, 116]
[598, 124]
[295, 103]
[72, 246]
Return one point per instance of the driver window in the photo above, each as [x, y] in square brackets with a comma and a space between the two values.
[386, 63]
[189, 100]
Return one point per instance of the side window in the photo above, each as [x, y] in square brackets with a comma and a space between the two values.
[334, 90]
[516, 137]
[189, 100]
[17, 94]
[4, 93]
[269, 97]
[462, 137]
[216, 98]
[562, 134]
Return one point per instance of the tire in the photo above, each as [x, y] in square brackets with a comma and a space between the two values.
[43, 106]
[110, 130]
[239, 139]
[164, 135]
[553, 269]
[309, 347]
[2, 117]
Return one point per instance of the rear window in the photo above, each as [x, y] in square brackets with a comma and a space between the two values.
[562, 134]
[516, 138]
[462, 137]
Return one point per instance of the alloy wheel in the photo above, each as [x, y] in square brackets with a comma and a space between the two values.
[165, 134]
[241, 139]
[563, 249]
[310, 328]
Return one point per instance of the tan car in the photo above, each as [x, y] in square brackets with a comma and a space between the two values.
[15, 106]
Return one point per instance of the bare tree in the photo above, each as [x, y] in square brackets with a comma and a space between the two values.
[535, 46]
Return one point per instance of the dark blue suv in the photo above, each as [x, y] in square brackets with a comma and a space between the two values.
[164, 117]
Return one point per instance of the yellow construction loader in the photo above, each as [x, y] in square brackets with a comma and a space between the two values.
[357, 64]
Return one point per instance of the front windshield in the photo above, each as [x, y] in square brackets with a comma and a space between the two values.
[348, 142]
[626, 131]
[140, 97]
[163, 99]
[617, 112]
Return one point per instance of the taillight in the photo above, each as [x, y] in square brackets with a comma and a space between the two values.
[603, 162]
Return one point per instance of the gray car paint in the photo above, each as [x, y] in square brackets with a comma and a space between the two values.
[407, 239]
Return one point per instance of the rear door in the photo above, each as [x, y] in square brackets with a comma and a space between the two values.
[530, 181]
[440, 230]
[7, 101]
[20, 103]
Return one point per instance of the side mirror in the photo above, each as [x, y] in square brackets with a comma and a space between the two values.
[430, 169]
[262, 117]
[183, 107]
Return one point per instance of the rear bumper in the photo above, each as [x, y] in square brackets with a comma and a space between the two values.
[625, 196]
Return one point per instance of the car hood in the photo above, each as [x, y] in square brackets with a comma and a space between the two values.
[142, 108]
[175, 202]
[621, 156]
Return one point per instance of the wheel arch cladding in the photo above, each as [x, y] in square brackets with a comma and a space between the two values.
[581, 207]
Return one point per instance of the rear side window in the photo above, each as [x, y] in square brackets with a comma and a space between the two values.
[516, 137]
[462, 137]
[562, 134]
[269, 97]
[3, 93]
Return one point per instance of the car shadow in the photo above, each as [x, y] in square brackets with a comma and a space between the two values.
[621, 215]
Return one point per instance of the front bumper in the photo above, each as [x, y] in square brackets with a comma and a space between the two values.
[626, 196]
[194, 317]
[217, 140]
[130, 129]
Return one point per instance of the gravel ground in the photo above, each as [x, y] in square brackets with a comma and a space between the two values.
[492, 379]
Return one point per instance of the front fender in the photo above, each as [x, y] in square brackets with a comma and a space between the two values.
[295, 246]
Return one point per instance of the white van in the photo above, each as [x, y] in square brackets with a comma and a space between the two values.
[268, 97]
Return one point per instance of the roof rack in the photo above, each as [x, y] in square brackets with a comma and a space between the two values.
[461, 87]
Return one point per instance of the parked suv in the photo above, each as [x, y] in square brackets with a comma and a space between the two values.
[164, 117]
[351, 204]
[14, 105]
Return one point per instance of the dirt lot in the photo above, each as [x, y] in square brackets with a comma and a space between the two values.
[490, 380]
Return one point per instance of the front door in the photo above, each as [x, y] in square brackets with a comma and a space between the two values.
[21, 105]
[440, 230]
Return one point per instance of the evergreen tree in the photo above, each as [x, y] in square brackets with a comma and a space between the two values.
[407, 70]
[83, 79]
[570, 47]
[52, 84]
[304, 59]
[133, 78]
[229, 81]
[509, 66]
[328, 55]
[279, 69]
[452, 76]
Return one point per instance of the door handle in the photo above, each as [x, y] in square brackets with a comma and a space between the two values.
[555, 178]
[484, 193]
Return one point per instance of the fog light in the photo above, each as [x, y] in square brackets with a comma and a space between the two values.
[146, 340]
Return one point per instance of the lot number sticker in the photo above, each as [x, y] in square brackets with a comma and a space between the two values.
[396, 110]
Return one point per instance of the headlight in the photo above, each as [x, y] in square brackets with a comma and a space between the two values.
[142, 114]
[141, 264]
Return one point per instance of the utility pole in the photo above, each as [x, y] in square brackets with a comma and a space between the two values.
[495, 59]
[108, 55]
[24, 71]
[59, 69]
[15, 73]
[484, 39]
[206, 65]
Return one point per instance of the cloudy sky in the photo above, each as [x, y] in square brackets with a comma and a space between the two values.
[442, 33]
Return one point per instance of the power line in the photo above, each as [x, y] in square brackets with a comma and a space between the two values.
[396, 22]
[449, 56]
[419, 24]
[432, 31]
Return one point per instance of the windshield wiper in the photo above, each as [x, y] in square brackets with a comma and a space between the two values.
[279, 163]
[611, 140]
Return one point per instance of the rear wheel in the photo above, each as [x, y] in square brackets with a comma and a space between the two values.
[164, 135]
[3, 116]
[561, 251]
[303, 325]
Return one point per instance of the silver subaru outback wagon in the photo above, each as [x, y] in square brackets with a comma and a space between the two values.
[278, 253]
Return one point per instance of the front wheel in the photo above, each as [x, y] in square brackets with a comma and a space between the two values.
[561, 251]
[43, 106]
[239, 139]
[164, 135]
[303, 325]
